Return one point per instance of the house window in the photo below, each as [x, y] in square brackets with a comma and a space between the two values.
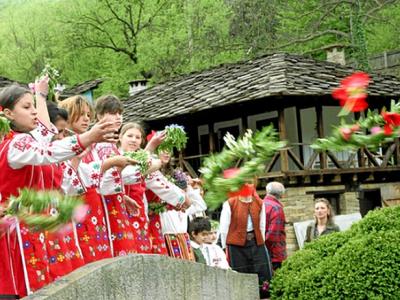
[204, 139]
[234, 127]
[257, 122]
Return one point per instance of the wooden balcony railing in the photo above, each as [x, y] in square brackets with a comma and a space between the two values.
[288, 160]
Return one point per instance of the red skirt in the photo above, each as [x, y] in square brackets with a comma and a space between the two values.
[12, 281]
[93, 236]
[35, 258]
[121, 229]
[156, 235]
[139, 219]
[63, 253]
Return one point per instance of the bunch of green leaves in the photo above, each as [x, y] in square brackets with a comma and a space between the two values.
[175, 138]
[33, 207]
[360, 263]
[363, 133]
[157, 207]
[254, 149]
[142, 158]
[4, 126]
[53, 75]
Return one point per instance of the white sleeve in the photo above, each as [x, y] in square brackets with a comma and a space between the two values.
[131, 175]
[262, 221]
[222, 262]
[198, 204]
[165, 190]
[224, 222]
[71, 183]
[25, 150]
[89, 173]
[42, 134]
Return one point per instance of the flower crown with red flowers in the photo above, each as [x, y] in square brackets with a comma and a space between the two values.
[369, 132]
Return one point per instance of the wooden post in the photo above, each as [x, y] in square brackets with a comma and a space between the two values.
[282, 137]
[320, 132]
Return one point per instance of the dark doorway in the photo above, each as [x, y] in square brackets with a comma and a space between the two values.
[234, 130]
[333, 199]
[369, 200]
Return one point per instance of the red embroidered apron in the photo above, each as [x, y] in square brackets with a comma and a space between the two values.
[138, 217]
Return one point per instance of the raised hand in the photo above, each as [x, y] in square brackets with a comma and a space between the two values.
[156, 140]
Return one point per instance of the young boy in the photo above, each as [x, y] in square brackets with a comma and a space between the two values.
[199, 229]
[214, 255]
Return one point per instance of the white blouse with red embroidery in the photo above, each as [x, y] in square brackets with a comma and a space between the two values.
[43, 134]
[165, 190]
[25, 150]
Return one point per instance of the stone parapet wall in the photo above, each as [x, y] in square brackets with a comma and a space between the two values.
[150, 277]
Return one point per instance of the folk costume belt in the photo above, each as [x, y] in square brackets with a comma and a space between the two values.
[250, 235]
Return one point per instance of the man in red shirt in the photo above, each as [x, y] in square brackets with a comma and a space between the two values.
[275, 235]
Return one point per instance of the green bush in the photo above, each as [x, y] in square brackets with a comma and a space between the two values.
[360, 263]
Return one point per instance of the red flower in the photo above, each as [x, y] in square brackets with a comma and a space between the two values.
[346, 133]
[150, 135]
[1, 108]
[392, 120]
[352, 92]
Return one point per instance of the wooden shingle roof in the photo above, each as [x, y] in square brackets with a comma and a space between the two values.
[277, 74]
[81, 88]
[4, 81]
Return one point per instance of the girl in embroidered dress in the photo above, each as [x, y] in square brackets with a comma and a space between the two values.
[63, 252]
[93, 234]
[20, 159]
[121, 230]
[132, 139]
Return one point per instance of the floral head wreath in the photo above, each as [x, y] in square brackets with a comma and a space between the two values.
[220, 180]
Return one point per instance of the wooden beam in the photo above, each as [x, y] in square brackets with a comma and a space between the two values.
[295, 159]
[272, 162]
[334, 160]
[388, 155]
[299, 134]
[350, 160]
[282, 137]
[211, 141]
[190, 169]
[311, 160]
[320, 132]
[371, 157]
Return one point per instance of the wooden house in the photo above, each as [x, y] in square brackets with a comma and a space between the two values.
[293, 93]
[85, 89]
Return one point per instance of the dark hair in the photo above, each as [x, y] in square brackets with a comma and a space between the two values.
[108, 104]
[199, 224]
[55, 112]
[10, 95]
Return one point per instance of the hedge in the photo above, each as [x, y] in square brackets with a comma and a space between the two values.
[360, 263]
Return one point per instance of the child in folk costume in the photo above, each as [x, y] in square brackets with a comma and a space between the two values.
[174, 222]
[20, 159]
[242, 227]
[199, 229]
[131, 139]
[84, 179]
[111, 185]
[63, 252]
[195, 193]
[161, 195]
[148, 234]
[214, 255]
